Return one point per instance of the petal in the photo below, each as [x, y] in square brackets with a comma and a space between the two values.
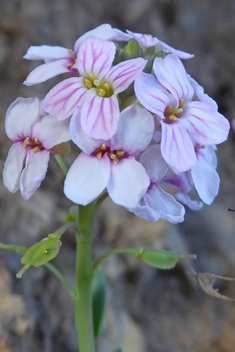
[63, 99]
[134, 132]
[177, 148]
[206, 180]
[180, 54]
[80, 138]
[95, 56]
[34, 172]
[20, 117]
[123, 74]
[104, 31]
[13, 167]
[87, 178]
[205, 124]
[45, 52]
[120, 35]
[145, 212]
[151, 94]
[164, 204]
[172, 75]
[51, 132]
[154, 164]
[144, 39]
[46, 71]
[199, 92]
[192, 204]
[99, 116]
[128, 182]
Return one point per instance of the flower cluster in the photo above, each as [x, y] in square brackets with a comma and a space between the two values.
[145, 130]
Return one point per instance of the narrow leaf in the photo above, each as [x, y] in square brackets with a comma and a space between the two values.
[14, 248]
[98, 300]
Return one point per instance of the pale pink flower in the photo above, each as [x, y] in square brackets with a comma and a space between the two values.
[111, 164]
[61, 60]
[33, 137]
[157, 203]
[170, 96]
[96, 90]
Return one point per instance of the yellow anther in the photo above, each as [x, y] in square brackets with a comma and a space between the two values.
[149, 35]
[101, 92]
[172, 117]
[178, 112]
[169, 109]
[44, 251]
[99, 155]
[120, 153]
[92, 77]
[36, 141]
[115, 161]
[181, 104]
[103, 147]
[71, 54]
[201, 147]
[106, 86]
[112, 156]
[96, 82]
[26, 142]
[88, 83]
[70, 65]
[36, 149]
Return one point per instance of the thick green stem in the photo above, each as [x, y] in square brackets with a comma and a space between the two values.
[84, 274]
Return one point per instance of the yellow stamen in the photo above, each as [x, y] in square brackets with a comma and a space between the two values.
[26, 142]
[178, 112]
[181, 104]
[169, 109]
[71, 53]
[103, 147]
[115, 161]
[201, 147]
[36, 141]
[88, 83]
[106, 86]
[101, 92]
[70, 65]
[96, 82]
[112, 156]
[99, 155]
[92, 77]
[172, 117]
[120, 153]
[36, 149]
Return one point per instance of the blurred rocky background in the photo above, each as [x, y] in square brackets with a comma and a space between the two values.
[148, 310]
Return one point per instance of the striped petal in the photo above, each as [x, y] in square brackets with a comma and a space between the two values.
[95, 57]
[151, 94]
[172, 75]
[205, 124]
[46, 52]
[144, 39]
[99, 116]
[123, 74]
[63, 99]
[177, 148]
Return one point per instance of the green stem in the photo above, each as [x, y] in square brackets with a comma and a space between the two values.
[61, 163]
[133, 251]
[84, 274]
[58, 233]
[62, 278]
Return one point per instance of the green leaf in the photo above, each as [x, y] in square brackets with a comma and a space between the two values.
[40, 253]
[14, 248]
[98, 300]
[163, 259]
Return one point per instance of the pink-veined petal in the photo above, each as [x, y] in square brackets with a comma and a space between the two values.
[134, 132]
[87, 178]
[154, 164]
[122, 75]
[95, 57]
[63, 99]
[186, 200]
[20, 117]
[151, 94]
[99, 116]
[177, 148]
[172, 75]
[206, 180]
[13, 167]
[120, 35]
[205, 124]
[104, 31]
[145, 212]
[34, 172]
[45, 52]
[128, 182]
[180, 54]
[164, 204]
[80, 138]
[144, 39]
[46, 71]
[51, 132]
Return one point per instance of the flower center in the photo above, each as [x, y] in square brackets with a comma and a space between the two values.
[103, 90]
[171, 115]
[35, 145]
[114, 156]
